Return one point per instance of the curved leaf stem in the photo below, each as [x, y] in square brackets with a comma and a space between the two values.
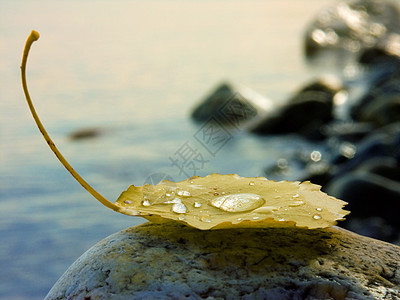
[34, 36]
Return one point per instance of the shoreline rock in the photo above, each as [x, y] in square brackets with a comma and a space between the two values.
[173, 261]
[232, 106]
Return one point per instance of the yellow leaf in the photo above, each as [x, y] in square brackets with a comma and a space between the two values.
[225, 201]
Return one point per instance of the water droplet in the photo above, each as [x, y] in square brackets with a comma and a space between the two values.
[256, 218]
[181, 218]
[197, 204]
[175, 200]
[216, 194]
[128, 202]
[318, 209]
[191, 181]
[205, 219]
[251, 183]
[238, 202]
[168, 194]
[296, 196]
[223, 193]
[184, 193]
[296, 203]
[240, 219]
[179, 208]
[266, 209]
[317, 217]
[146, 203]
[281, 220]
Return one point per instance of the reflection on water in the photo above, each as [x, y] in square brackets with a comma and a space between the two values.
[132, 70]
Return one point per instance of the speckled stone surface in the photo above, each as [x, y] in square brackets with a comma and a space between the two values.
[172, 261]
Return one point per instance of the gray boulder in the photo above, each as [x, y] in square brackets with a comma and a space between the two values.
[305, 113]
[232, 106]
[172, 261]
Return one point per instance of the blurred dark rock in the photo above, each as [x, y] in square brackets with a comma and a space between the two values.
[365, 174]
[346, 29]
[305, 113]
[369, 196]
[349, 131]
[375, 227]
[387, 51]
[386, 167]
[380, 104]
[85, 133]
[380, 145]
[382, 111]
[303, 164]
[232, 106]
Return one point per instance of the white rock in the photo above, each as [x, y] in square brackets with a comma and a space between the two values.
[172, 261]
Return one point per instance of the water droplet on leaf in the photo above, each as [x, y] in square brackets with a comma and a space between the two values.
[296, 203]
[205, 219]
[146, 203]
[238, 202]
[179, 208]
[184, 193]
[266, 209]
[317, 217]
[175, 200]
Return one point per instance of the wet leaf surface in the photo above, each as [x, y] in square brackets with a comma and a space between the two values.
[225, 201]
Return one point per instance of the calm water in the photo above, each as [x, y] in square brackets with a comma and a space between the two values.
[133, 69]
